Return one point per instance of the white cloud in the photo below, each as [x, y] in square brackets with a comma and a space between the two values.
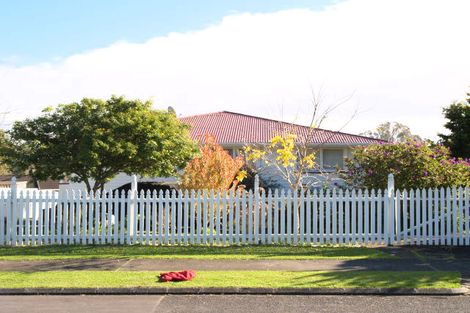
[403, 60]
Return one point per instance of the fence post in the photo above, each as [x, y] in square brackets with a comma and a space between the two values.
[256, 216]
[256, 184]
[13, 218]
[391, 209]
[132, 207]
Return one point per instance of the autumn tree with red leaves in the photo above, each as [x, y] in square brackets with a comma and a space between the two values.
[213, 168]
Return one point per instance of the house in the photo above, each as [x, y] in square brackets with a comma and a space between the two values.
[234, 131]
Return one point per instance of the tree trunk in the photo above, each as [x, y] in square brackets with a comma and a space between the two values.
[88, 185]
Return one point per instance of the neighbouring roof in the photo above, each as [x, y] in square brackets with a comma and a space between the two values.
[48, 184]
[237, 128]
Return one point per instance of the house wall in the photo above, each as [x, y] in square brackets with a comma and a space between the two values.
[316, 178]
[19, 184]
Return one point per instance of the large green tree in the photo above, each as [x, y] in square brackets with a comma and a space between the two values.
[458, 124]
[4, 169]
[93, 140]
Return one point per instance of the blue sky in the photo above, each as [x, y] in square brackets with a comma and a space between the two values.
[395, 60]
[37, 31]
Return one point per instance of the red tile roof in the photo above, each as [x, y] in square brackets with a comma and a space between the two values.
[237, 128]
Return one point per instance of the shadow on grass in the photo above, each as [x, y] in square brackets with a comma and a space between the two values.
[380, 279]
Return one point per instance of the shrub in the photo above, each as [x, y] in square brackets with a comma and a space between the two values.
[414, 165]
[214, 168]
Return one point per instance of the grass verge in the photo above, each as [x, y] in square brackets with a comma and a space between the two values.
[257, 252]
[266, 279]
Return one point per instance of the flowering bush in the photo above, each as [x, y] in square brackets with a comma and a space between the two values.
[214, 168]
[414, 165]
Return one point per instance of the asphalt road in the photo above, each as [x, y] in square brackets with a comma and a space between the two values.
[234, 303]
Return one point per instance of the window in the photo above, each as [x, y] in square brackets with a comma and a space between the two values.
[333, 158]
[233, 152]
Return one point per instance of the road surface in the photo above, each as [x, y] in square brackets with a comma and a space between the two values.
[234, 303]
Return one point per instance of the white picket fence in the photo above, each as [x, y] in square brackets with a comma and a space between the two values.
[416, 217]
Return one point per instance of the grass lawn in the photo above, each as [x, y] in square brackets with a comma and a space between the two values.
[190, 252]
[268, 279]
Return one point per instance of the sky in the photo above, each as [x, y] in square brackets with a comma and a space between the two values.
[392, 60]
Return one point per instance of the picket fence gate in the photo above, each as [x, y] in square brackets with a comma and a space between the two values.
[415, 217]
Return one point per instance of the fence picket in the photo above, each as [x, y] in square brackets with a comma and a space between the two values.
[121, 226]
[117, 219]
[250, 213]
[231, 207]
[262, 216]
[308, 217]
[217, 213]
[19, 219]
[405, 216]
[328, 216]
[147, 217]
[33, 222]
[192, 218]
[398, 213]
[460, 216]
[3, 217]
[435, 231]
[200, 212]
[237, 209]
[334, 209]
[276, 216]
[96, 206]
[160, 208]
[341, 217]
[353, 217]
[90, 212]
[283, 212]
[373, 217]
[256, 216]
[442, 215]
[467, 215]
[26, 220]
[454, 216]
[321, 219]
[77, 213]
[448, 217]
[296, 213]
[347, 217]
[360, 216]
[269, 214]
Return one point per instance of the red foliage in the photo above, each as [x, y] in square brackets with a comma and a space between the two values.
[214, 168]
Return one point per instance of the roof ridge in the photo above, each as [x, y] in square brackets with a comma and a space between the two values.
[194, 115]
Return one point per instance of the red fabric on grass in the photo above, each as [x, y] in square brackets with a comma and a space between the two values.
[178, 276]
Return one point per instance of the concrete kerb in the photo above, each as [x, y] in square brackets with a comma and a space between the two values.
[234, 290]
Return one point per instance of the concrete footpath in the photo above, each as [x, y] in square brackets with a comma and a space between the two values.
[414, 264]
[406, 259]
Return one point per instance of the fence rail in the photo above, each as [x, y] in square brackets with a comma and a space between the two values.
[416, 217]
